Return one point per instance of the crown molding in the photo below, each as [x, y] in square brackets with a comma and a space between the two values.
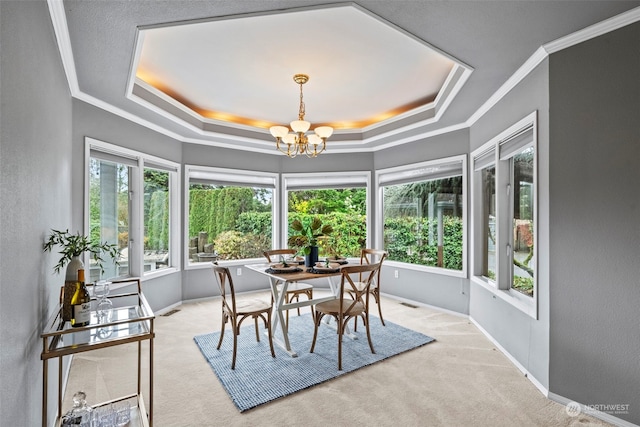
[59, 21]
[594, 30]
[544, 51]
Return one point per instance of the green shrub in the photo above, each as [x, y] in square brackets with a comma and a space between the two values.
[236, 245]
[414, 240]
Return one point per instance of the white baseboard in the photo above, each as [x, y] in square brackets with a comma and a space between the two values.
[513, 360]
[590, 411]
[421, 304]
[167, 309]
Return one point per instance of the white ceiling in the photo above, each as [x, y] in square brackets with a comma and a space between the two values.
[243, 67]
[364, 59]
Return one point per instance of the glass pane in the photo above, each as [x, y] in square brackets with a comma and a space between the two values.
[489, 222]
[109, 214]
[228, 222]
[156, 220]
[423, 222]
[344, 209]
[523, 226]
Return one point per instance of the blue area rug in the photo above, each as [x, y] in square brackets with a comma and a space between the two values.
[259, 378]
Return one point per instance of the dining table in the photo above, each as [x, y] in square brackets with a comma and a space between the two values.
[291, 274]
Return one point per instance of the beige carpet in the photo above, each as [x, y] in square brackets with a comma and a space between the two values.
[460, 380]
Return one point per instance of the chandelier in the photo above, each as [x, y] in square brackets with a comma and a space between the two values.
[298, 142]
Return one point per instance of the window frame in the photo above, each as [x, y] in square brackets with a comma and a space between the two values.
[139, 161]
[237, 176]
[501, 287]
[420, 172]
[329, 180]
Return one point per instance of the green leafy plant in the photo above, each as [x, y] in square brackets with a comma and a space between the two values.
[308, 233]
[74, 245]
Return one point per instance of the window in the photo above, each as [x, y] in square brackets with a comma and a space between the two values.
[485, 165]
[422, 211]
[156, 219]
[133, 201]
[109, 213]
[339, 200]
[505, 214]
[521, 245]
[230, 214]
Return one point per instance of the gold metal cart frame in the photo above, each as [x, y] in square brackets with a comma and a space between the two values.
[130, 323]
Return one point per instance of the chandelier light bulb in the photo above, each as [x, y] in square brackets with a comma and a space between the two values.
[278, 131]
[300, 126]
[324, 131]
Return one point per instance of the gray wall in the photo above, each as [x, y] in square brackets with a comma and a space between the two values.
[594, 216]
[35, 195]
[522, 336]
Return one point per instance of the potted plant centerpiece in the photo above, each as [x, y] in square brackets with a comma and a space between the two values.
[73, 246]
[307, 238]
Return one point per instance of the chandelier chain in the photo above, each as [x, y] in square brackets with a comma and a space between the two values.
[302, 109]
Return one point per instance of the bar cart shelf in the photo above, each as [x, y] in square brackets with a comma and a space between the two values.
[132, 321]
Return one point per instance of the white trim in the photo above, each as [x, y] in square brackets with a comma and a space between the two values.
[595, 30]
[136, 223]
[58, 18]
[513, 360]
[526, 68]
[526, 304]
[585, 409]
[334, 177]
[245, 174]
[167, 309]
[425, 305]
[61, 30]
[378, 188]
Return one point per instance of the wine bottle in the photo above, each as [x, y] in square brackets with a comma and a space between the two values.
[80, 303]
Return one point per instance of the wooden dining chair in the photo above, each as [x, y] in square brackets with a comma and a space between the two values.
[348, 305]
[236, 311]
[295, 289]
[371, 256]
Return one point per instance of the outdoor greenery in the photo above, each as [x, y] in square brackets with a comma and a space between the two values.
[238, 222]
[407, 240]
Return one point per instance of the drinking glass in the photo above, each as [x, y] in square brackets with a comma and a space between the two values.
[122, 413]
[105, 306]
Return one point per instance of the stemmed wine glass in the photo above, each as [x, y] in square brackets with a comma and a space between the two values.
[104, 307]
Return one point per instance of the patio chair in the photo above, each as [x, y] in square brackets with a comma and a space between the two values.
[236, 311]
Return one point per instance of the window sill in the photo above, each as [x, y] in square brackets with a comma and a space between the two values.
[528, 305]
[158, 273]
[226, 263]
[426, 269]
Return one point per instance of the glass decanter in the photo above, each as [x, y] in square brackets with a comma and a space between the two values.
[79, 414]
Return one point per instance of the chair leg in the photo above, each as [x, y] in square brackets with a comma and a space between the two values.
[340, 328]
[255, 322]
[224, 322]
[376, 295]
[316, 323]
[268, 325]
[309, 295]
[365, 320]
[297, 296]
[235, 344]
